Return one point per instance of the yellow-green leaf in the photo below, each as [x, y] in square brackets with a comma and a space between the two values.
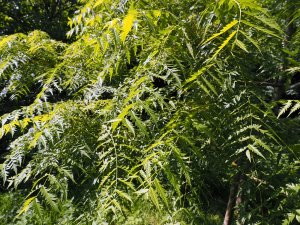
[121, 116]
[128, 23]
[26, 205]
[97, 3]
[194, 76]
[35, 139]
[224, 44]
[226, 28]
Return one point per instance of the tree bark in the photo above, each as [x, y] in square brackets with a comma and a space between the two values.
[291, 29]
[232, 200]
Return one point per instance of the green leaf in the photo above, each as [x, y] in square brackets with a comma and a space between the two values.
[241, 45]
[248, 155]
[262, 29]
[129, 125]
[161, 191]
[123, 195]
[285, 107]
[50, 198]
[267, 21]
[153, 197]
[255, 150]
[211, 87]
[251, 40]
[128, 184]
[139, 123]
[261, 143]
[295, 108]
[67, 173]
[142, 191]
[38, 210]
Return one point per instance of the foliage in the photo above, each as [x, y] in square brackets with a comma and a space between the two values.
[151, 113]
[24, 16]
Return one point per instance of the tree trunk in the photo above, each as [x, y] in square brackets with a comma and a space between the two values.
[279, 90]
[232, 200]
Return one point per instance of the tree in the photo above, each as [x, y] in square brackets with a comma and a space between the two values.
[24, 16]
[160, 109]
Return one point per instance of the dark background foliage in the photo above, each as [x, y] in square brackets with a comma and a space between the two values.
[23, 16]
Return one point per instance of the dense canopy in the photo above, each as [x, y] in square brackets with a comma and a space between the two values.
[150, 112]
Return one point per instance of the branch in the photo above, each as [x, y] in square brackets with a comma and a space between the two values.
[232, 199]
